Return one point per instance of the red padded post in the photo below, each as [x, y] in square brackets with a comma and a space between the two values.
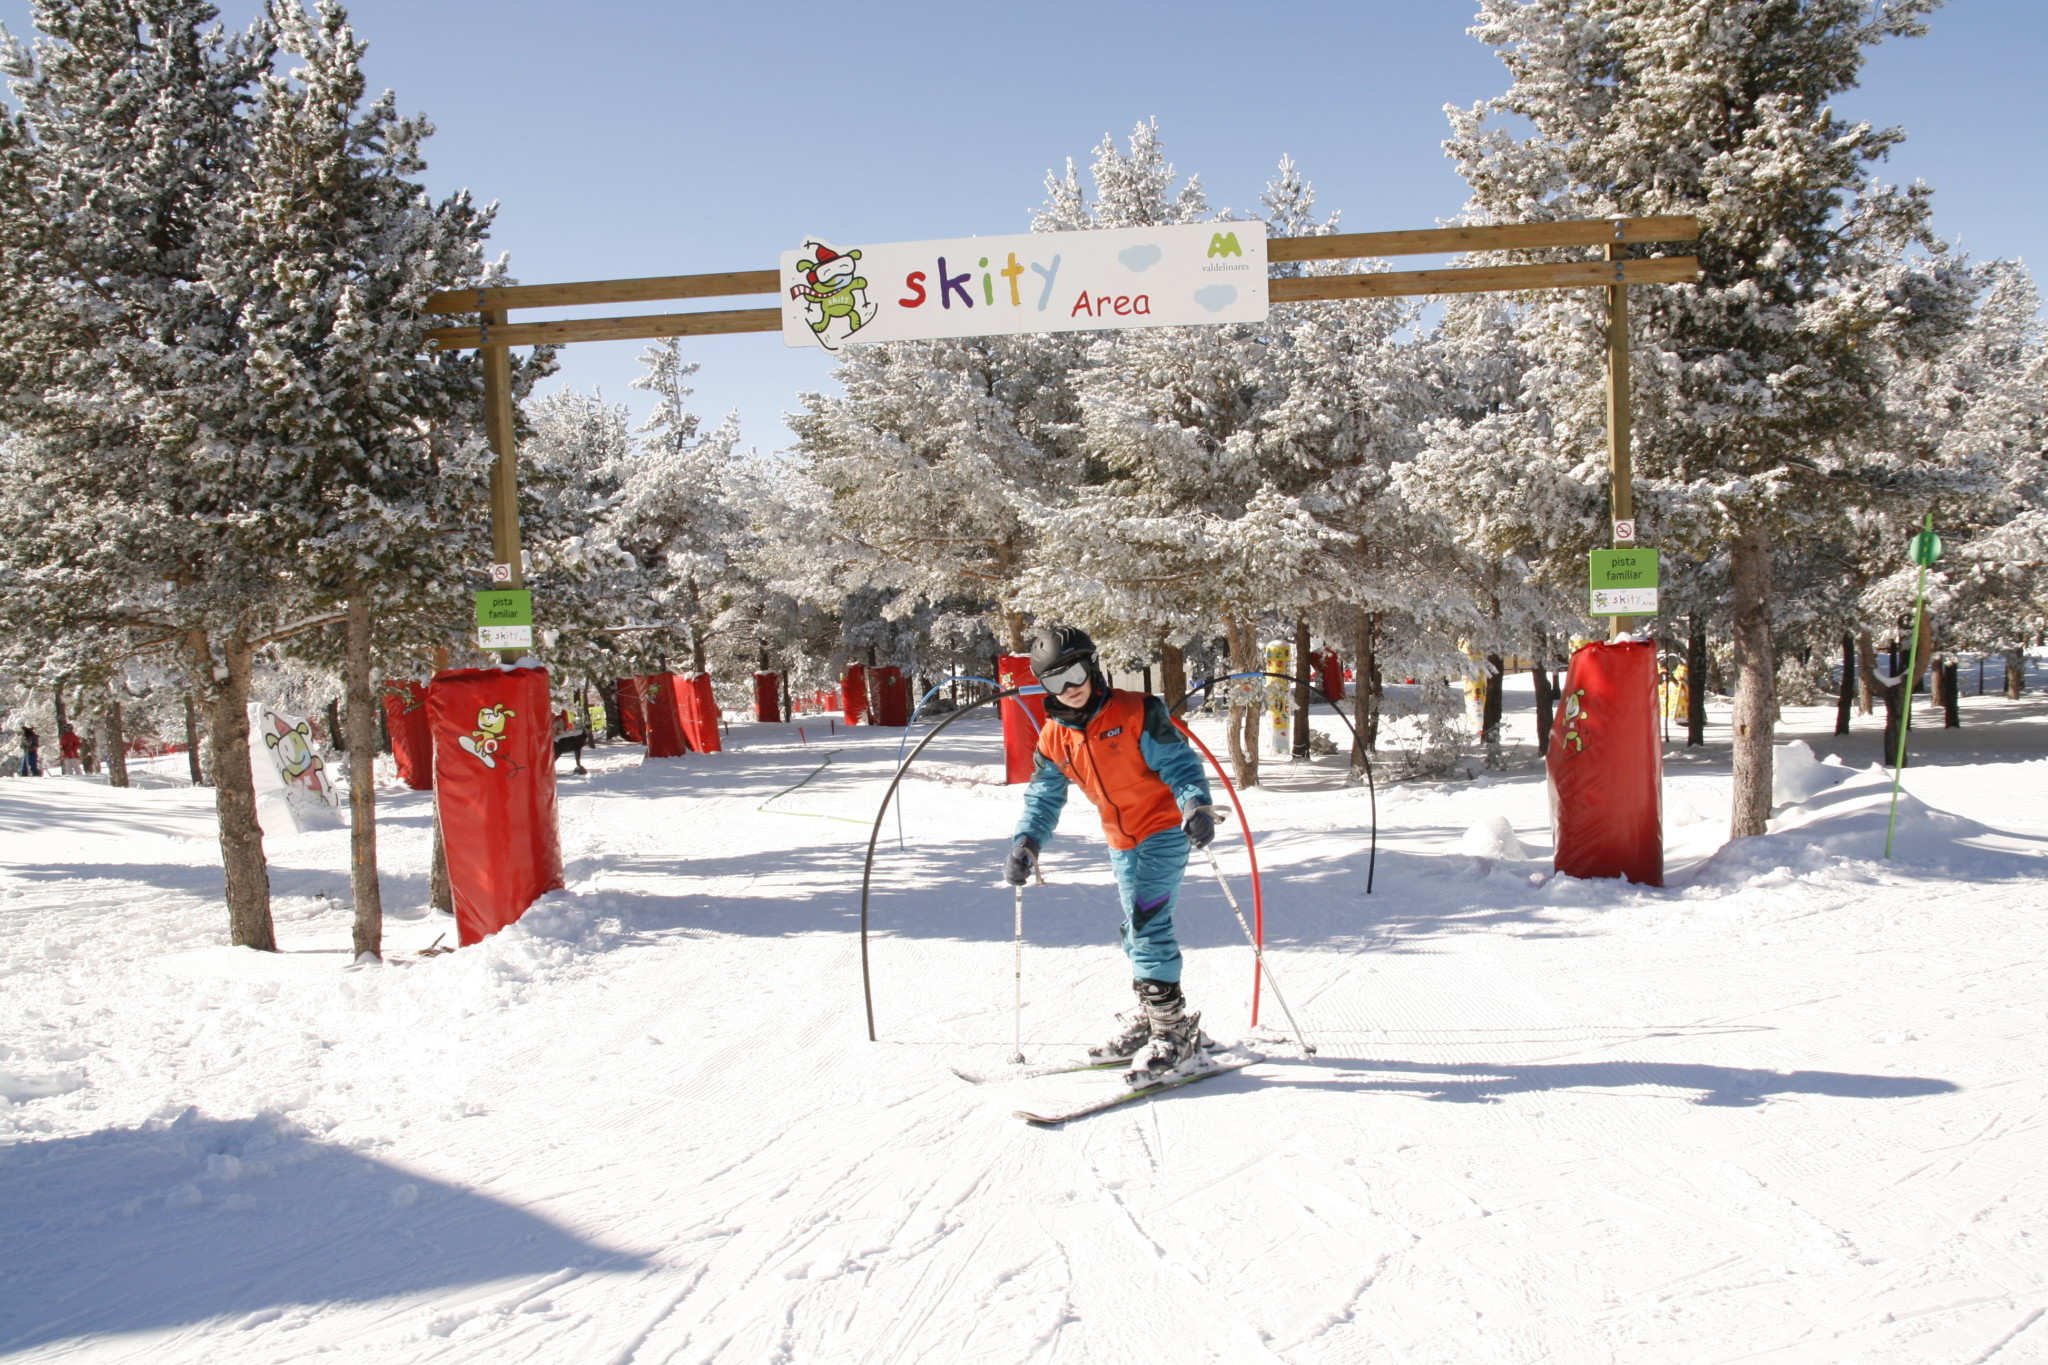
[1606, 766]
[412, 741]
[494, 770]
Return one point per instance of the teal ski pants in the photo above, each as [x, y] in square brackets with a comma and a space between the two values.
[1148, 885]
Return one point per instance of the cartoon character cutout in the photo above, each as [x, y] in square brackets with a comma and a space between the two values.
[293, 742]
[832, 293]
[1575, 714]
[489, 733]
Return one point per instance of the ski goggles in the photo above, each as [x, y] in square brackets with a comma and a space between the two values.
[1059, 679]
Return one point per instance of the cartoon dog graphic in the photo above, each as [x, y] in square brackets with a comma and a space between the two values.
[1575, 714]
[490, 731]
[294, 745]
[831, 291]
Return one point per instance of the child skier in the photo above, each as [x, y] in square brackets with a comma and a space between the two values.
[1123, 751]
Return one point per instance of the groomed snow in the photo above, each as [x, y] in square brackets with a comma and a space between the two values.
[1788, 1108]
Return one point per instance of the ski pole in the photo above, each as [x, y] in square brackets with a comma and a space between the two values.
[1017, 1030]
[1307, 1048]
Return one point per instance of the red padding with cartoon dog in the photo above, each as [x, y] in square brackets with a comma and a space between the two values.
[853, 689]
[697, 711]
[1023, 717]
[412, 743]
[888, 695]
[767, 699]
[494, 783]
[1607, 766]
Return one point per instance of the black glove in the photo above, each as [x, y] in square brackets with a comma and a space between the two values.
[1200, 828]
[1023, 858]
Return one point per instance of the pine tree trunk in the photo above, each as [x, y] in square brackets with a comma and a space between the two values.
[1951, 696]
[57, 696]
[696, 634]
[117, 746]
[192, 742]
[614, 722]
[1866, 674]
[1894, 710]
[1546, 699]
[1244, 713]
[1755, 683]
[2015, 673]
[1490, 703]
[362, 784]
[1173, 674]
[1361, 687]
[1302, 673]
[234, 792]
[439, 895]
[1013, 633]
[1845, 698]
[1696, 681]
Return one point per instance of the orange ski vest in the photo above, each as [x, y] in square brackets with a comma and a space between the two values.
[1106, 762]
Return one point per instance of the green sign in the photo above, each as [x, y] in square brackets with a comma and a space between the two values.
[1623, 582]
[504, 607]
[1926, 548]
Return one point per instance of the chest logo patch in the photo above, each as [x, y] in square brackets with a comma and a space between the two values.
[1112, 734]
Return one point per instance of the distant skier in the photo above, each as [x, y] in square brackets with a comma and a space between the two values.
[31, 752]
[1123, 751]
[68, 751]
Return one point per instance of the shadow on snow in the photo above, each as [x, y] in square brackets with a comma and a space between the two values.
[133, 1230]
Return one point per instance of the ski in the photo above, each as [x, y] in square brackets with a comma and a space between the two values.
[1142, 1092]
[1025, 1073]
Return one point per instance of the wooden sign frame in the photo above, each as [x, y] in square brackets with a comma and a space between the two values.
[494, 335]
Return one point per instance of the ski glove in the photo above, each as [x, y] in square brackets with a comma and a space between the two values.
[1200, 828]
[1023, 858]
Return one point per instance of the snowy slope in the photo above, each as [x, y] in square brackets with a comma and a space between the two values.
[1788, 1108]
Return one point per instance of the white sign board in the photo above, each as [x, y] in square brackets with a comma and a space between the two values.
[504, 637]
[294, 793]
[1624, 602]
[1174, 276]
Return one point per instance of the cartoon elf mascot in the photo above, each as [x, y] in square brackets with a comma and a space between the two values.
[831, 291]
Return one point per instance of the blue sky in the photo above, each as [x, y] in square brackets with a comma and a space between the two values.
[628, 137]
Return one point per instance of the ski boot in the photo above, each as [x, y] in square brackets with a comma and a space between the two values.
[1176, 1035]
[1134, 1030]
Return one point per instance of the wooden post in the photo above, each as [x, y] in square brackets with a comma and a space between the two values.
[1621, 476]
[499, 428]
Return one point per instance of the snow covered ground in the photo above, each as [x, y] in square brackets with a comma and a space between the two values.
[1789, 1108]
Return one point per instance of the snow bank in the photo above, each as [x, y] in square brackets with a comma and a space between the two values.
[1846, 823]
[1797, 775]
[1491, 836]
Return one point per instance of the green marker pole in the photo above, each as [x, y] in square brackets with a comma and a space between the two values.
[1926, 549]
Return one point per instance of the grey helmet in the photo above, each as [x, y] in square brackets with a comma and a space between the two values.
[1052, 646]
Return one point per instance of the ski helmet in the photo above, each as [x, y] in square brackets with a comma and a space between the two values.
[1052, 646]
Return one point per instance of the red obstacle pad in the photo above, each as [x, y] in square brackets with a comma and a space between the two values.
[1330, 673]
[632, 710]
[853, 687]
[1022, 717]
[661, 710]
[697, 711]
[494, 765]
[767, 699]
[889, 695]
[1606, 766]
[412, 742]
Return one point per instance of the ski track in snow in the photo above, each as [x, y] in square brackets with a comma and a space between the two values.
[1789, 1108]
